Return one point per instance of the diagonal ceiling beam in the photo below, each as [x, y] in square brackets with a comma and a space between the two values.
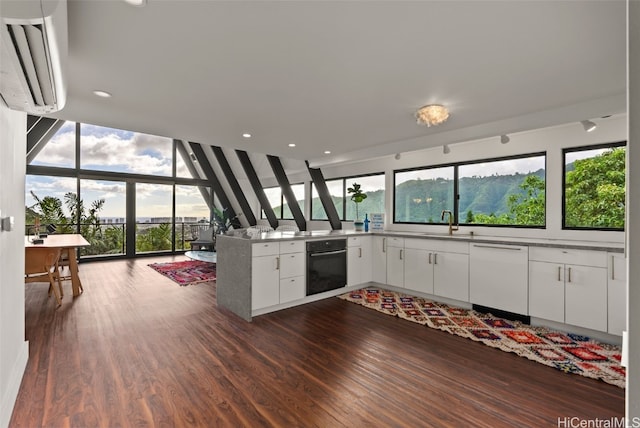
[325, 197]
[235, 186]
[285, 186]
[39, 135]
[198, 151]
[257, 187]
[204, 191]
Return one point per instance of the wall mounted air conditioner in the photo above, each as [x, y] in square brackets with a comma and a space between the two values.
[34, 51]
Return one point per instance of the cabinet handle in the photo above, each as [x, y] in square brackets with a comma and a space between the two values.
[435, 258]
[559, 271]
[569, 275]
[498, 247]
[613, 268]
[277, 263]
[360, 252]
[401, 254]
[429, 258]
[384, 245]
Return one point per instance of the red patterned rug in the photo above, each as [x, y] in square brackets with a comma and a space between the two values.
[570, 353]
[187, 272]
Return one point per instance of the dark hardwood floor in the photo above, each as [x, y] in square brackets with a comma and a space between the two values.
[135, 349]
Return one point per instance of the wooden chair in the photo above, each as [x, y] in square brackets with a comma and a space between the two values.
[64, 262]
[41, 265]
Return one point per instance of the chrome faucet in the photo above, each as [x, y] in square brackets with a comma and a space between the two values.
[451, 226]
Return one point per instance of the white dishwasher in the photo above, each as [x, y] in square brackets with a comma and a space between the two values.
[498, 276]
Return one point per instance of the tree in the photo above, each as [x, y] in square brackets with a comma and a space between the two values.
[528, 208]
[595, 191]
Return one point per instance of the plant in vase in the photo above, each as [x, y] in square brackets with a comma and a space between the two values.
[357, 196]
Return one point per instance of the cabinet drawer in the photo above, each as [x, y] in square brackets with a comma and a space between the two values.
[291, 247]
[292, 264]
[354, 241]
[292, 289]
[395, 242]
[265, 249]
[568, 256]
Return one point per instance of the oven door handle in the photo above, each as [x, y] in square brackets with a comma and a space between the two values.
[327, 253]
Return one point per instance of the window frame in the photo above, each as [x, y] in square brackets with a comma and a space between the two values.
[342, 216]
[567, 150]
[282, 202]
[456, 189]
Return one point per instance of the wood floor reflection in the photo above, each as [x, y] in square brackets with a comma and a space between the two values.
[136, 349]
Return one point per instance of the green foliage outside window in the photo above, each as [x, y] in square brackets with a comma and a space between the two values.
[595, 191]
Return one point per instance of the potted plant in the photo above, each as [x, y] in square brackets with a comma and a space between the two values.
[357, 196]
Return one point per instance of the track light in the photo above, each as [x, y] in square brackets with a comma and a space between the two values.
[504, 139]
[588, 125]
[446, 149]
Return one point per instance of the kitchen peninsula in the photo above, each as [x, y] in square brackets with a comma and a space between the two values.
[554, 282]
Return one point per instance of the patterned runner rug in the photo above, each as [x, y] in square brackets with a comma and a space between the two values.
[570, 353]
[187, 272]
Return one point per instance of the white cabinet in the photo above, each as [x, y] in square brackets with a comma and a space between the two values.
[359, 258]
[498, 276]
[265, 275]
[451, 275]
[379, 259]
[617, 293]
[395, 261]
[292, 271]
[277, 273]
[438, 267]
[569, 286]
[418, 269]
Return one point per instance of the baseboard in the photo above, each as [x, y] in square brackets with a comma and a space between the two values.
[13, 386]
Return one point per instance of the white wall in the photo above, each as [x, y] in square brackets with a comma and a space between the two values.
[14, 350]
[633, 216]
[549, 140]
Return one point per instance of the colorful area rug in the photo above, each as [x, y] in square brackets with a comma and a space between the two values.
[187, 272]
[570, 353]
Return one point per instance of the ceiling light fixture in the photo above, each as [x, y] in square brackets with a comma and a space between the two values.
[137, 3]
[292, 144]
[504, 139]
[246, 135]
[588, 125]
[327, 152]
[102, 94]
[445, 149]
[432, 114]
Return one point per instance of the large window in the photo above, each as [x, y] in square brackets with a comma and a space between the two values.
[372, 185]
[279, 203]
[107, 149]
[60, 149]
[594, 187]
[505, 191]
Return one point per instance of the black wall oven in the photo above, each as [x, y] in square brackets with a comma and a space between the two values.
[326, 265]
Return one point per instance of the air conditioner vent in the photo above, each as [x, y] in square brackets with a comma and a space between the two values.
[34, 48]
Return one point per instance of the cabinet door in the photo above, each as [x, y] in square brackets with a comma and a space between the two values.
[265, 282]
[617, 294]
[366, 269]
[292, 264]
[418, 271]
[379, 259]
[546, 290]
[451, 275]
[395, 266]
[586, 297]
[292, 289]
[499, 277]
[354, 265]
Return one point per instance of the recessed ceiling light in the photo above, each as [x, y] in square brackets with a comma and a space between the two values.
[246, 135]
[327, 152]
[102, 94]
[292, 144]
[137, 3]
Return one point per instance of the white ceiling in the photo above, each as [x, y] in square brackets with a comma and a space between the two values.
[344, 76]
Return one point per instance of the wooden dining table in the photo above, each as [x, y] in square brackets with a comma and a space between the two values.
[68, 243]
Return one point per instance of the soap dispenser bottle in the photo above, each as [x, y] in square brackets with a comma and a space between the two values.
[366, 223]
